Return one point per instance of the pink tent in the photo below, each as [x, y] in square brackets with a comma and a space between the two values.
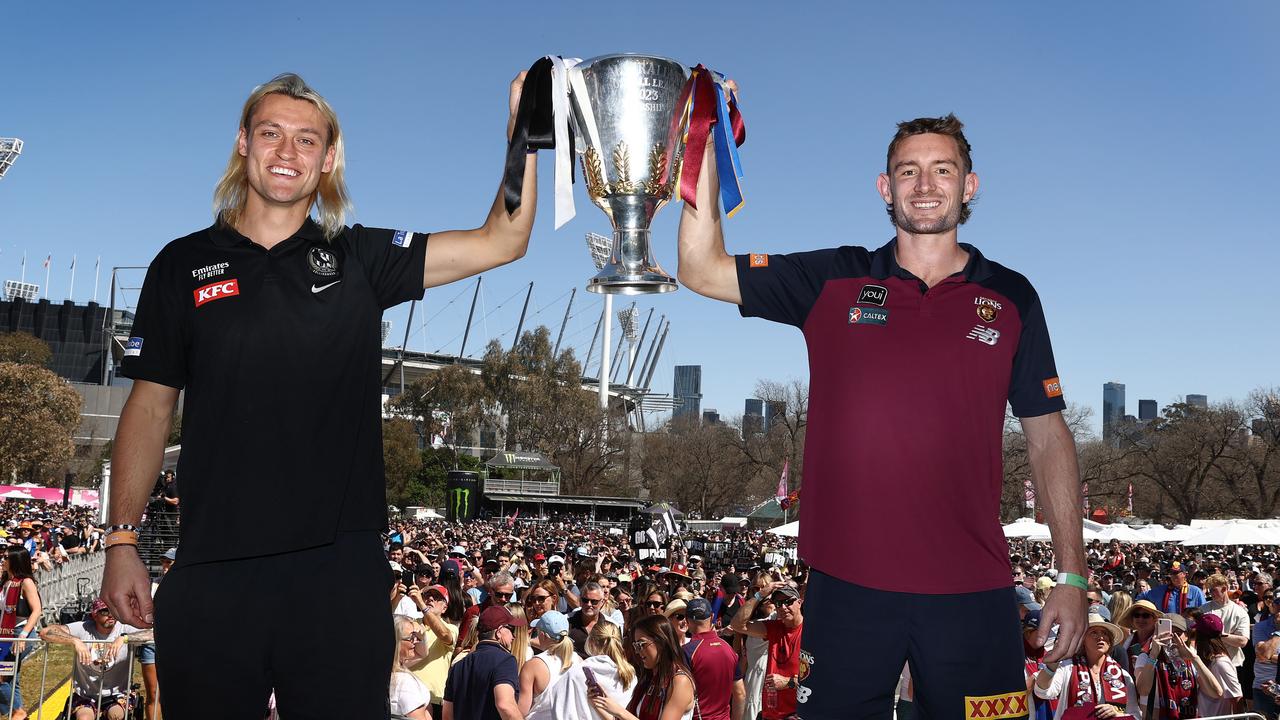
[79, 496]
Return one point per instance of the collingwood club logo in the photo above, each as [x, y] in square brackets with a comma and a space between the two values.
[322, 262]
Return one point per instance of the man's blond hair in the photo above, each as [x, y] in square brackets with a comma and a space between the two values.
[330, 197]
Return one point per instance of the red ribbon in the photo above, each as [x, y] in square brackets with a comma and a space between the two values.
[700, 90]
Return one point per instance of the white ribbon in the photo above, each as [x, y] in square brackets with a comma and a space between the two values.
[560, 68]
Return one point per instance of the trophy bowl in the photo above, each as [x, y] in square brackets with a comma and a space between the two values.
[622, 108]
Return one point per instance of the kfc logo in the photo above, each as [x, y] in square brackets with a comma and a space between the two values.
[216, 291]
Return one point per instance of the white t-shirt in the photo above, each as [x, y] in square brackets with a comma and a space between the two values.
[408, 693]
[86, 678]
[1235, 621]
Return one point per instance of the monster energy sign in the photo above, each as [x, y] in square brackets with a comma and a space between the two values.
[460, 499]
[463, 493]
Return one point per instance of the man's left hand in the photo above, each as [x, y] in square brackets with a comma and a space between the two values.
[516, 86]
[1066, 607]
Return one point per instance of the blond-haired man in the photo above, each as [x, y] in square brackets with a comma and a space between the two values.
[270, 321]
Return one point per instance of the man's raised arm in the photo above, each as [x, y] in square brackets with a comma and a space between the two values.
[136, 456]
[704, 266]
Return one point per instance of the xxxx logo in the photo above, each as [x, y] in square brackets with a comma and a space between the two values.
[996, 707]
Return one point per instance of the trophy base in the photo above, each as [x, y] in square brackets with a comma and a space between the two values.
[612, 282]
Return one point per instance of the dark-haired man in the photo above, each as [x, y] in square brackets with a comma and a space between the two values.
[270, 321]
[482, 685]
[915, 349]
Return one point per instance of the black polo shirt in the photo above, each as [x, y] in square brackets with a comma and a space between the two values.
[279, 353]
[908, 389]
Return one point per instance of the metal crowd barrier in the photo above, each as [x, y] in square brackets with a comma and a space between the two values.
[70, 583]
[57, 705]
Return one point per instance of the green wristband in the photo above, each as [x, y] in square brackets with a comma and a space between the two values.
[1077, 581]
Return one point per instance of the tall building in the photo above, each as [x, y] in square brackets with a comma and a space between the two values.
[753, 416]
[1200, 401]
[710, 417]
[1112, 410]
[1147, 410]
[687, 391]
[775, 411]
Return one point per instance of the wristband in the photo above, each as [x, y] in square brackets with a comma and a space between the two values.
[1076, 581]
[1143, 660]
[126, 528]
[759, 597]
[121, 537]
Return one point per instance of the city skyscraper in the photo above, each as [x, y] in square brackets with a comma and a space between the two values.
[1147, 410]
[687, 391]
[710, 417]
[1112, 410]
[1200, 401]
[753, 416]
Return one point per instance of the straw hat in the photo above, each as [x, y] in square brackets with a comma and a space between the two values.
[1117, 632]
[1125, 618]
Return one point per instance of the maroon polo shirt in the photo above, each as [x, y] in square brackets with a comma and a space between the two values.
[907, 397]
[715, 670]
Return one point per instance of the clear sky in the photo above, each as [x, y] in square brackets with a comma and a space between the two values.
[1126, 151]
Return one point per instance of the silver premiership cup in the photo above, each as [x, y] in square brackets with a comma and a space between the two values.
[622, 110]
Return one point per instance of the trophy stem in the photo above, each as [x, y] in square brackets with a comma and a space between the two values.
[631, 269]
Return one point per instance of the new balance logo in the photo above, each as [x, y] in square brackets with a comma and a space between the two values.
[984, 334]
[216, 291]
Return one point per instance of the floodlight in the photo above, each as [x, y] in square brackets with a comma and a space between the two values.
[10, 149]
[601, 248]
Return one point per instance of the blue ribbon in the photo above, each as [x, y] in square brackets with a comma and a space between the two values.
[728, 163]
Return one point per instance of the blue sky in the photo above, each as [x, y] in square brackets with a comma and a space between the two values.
[1126, 154]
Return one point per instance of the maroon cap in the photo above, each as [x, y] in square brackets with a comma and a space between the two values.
[98, 604]
[1209, 626]
[496, 616]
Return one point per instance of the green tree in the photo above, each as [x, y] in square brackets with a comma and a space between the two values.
[24, 349]
[39, 412]
[401, 458]
[444, 405]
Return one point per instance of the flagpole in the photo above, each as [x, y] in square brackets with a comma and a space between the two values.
[48, 265]
[71, 290]
[96, 266]
[24, 266]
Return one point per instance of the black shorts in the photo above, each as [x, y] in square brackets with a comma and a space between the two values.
[312, 625]
[965, 652]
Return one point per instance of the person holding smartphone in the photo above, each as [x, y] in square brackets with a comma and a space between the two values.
[1090, 684]
[1170, 676]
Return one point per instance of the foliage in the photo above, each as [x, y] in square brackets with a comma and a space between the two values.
[39, 412]
[401, 459]
[24, 349]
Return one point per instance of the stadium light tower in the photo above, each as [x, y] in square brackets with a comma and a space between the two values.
[10, 149]
[601, 248]
[627, 319]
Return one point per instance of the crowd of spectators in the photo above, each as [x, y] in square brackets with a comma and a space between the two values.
[563, 619]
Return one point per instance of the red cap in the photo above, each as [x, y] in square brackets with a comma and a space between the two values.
[441, 590]
[539, 557]
[496, 616]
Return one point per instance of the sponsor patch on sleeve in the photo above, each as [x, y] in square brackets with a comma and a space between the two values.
[133, 347]
[996, 707]
[402, 238]
[1052, 388]
[759, 260]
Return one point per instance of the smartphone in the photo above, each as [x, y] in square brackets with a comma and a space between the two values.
[1164, 626]
[593, 686]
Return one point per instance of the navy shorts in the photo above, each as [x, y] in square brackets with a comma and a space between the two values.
[314, 625]
[965, 652]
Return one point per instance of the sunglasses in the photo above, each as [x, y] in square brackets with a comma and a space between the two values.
[639, 645]
[510, 628]
[654, 603]
[538, 598]
[593, 603]
[784, 602]
[503, 595]
[414, 638]
[677, 616]
[1143, 616]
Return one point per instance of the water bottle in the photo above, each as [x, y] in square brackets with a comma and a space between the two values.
[770, 694]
